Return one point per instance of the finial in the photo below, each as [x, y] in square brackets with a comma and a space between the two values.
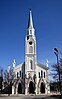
[47, 62]
[14, 63]
[14, 60]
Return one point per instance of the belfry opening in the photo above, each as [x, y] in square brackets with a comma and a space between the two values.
[31, 87]
[19, 88]
[42, 88]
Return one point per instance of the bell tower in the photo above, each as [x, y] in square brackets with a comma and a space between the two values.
[30, 48]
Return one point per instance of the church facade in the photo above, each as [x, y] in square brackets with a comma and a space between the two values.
[31, 77]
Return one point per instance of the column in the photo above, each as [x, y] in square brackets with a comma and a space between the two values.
[12, 89]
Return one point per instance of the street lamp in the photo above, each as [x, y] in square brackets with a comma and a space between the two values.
[56, 53]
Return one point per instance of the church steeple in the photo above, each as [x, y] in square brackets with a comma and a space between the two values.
[30, 28]
[30, 48]
[30, 21]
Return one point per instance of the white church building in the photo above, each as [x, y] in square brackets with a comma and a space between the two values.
[31, 76]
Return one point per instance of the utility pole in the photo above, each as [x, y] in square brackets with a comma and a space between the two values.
[56, 53]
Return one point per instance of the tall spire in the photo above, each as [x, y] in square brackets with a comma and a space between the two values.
[30, 21]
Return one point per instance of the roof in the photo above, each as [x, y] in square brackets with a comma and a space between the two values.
[42, 66]
[18, 66]
[39, 64]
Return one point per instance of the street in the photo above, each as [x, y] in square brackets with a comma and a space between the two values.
[31, 97]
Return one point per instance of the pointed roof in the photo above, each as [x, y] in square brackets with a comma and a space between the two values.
[30, 21]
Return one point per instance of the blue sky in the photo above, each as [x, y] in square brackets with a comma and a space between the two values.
[47, 17]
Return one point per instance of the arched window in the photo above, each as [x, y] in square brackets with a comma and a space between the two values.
[20, 73]
[41, 73]
[31, 64]
[44, 74]
[30, 49]
[17, 74]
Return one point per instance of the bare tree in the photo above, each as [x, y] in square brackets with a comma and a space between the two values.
[56, 72]
[8, 80]
[1, 79]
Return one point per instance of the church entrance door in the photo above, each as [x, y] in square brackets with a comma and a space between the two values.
[42, 88]
[31, 87]
[19, 88]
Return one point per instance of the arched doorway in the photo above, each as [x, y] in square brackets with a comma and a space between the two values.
[20, 88]
[42, 88]
[31, 87]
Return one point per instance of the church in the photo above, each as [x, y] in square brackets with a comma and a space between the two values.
[31, 77]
